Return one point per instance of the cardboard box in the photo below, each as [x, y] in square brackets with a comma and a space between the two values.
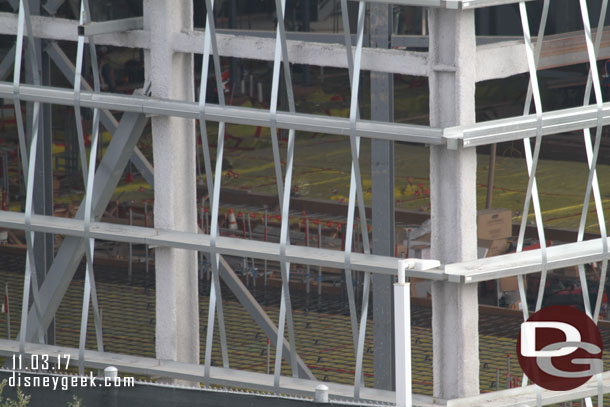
[571, 272]
[511, 284]
[423, 238]
[494, 247]
[493, 224]
[401, 236]
[402, 251]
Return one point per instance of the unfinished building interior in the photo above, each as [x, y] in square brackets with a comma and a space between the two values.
[354, 201]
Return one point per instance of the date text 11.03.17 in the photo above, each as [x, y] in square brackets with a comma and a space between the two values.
[41, 362]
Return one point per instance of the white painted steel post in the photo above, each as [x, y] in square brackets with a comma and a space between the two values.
[319, 267]
[146, 245]
[402, 336]
[130, 265]
[7, 309]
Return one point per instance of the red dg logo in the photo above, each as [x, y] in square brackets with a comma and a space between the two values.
[560, 348]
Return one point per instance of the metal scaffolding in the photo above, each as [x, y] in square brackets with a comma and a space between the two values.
[453, 64]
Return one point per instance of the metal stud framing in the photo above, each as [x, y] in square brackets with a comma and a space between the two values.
[355, 192]
[528, 126]
[283, 188]
[215, 305]
[90, 292]
[30, 283]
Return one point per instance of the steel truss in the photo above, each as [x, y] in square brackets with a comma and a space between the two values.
[82, 231]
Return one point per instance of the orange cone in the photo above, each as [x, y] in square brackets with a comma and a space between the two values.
[232, 220]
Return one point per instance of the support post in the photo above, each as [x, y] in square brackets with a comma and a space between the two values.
[402, 337]
[171, 75]
[382, 174]
[43, 177]
[452, 73]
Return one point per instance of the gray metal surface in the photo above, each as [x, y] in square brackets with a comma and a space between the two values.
[225, 245]
[111, 26]
[229, 114]
[382, 179]
[72, 249]
[7, 63]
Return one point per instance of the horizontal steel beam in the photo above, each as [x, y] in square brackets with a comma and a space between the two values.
[328, 49]
[472, 4]
[557, 50]
[450, 4]
[566, 255]
[224, 245]
[513, 264]
[398, 40]
[111, 26]
[143, 366]
[228, 114]
[526, 396]
[517, 128]
[327, 54]
[233, 45]
[139, 365]
[61, 29]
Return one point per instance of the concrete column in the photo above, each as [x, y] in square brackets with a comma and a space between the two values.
[171, 74]
[382, 174]
[453, 196]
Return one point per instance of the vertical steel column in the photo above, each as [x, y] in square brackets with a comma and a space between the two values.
[355, 191]
[402, 337]
[234, 64]
[171, 75]
[382, 175]
[28, 161]
[453, 197]
[43, 176]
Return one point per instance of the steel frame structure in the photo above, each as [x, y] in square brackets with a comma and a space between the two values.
[100, 180]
